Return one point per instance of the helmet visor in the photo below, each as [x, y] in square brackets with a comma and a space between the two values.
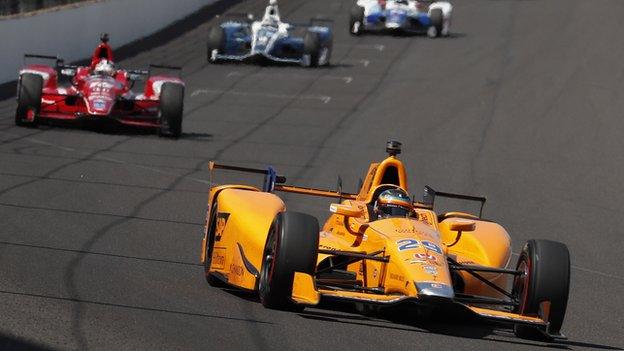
[389, 210]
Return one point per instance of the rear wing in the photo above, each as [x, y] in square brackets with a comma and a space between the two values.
[274, 182]
[59, 63]
[430, 194]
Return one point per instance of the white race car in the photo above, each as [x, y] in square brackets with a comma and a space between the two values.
[409, 16]
[270, 39]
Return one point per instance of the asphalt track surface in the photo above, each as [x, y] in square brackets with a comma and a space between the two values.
[101, 228]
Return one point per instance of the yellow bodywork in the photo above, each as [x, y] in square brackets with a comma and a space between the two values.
[416, 247]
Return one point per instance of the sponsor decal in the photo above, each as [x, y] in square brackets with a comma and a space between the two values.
[405, 230]
[407, 244]
[397, 277]
[431, 246]
[470, 263]
[424, 218]
[236, 269]
[323, 234]
[430, 270]
[411, 244]
[222, 219]
[425, 258]
[99, 104]
[218, 258]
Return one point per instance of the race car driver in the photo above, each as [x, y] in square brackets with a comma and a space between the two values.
[393, 203]
[104, 68]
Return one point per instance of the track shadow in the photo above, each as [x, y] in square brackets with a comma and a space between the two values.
[400, 34]
[8, 342]
[442, 322]
[110, 127]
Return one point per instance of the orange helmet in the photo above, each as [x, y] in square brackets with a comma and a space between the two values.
[393, 203]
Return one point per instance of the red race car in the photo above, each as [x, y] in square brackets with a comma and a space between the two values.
[99, 91]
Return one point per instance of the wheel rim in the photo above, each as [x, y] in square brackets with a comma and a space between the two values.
[268, 265]
[521, 284]
[356, 27]
[323, 58]
[30, 115]
[432, 32]
[306, 60]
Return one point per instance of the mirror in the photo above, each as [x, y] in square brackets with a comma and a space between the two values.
[459, 226]
[134, 76]
[345, 210]
[68, 72]
[463, 226]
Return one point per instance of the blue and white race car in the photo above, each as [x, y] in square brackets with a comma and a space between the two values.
[270, 40]
[408, 16]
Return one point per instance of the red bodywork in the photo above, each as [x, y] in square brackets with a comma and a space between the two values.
[99, 96]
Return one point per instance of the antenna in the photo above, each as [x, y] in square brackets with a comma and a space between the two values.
[393, 147]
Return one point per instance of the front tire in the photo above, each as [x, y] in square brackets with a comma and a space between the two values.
[216, 43]
[311, 49]
[291, 246]
[171, 109]
[546, 278]
[356, 20]
[28, 99]
[437, 23]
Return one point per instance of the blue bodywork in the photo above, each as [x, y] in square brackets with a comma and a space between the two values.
[398, 19]
[270, 44]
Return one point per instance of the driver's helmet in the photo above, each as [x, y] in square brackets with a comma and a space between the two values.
[393, 203]
[105, 68]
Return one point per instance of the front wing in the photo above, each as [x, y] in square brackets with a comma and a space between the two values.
[137, 112]
[304, 292]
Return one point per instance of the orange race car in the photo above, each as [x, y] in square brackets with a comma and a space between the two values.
[379, 248]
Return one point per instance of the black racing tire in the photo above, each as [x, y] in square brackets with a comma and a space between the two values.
[212, 226]
[312, 47]
[546, 267]
[30, 87]
[216, 41]
[171, 109]
[291, 246]
[437, 20]
[356, 20]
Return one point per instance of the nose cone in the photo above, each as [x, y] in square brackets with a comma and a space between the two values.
[100, 94]
[100, 106]
[418, 255]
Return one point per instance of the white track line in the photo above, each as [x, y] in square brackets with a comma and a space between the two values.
[323, 98]
[378, 47]
[109, 159]
[345, 79]
[589, 270]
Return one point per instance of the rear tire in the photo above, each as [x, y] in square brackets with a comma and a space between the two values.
[291, 246]
[171, 109]
[437, 23]
[29, 92]
[216, 43]
[356, 20]
[547, 278]
[311, 49]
